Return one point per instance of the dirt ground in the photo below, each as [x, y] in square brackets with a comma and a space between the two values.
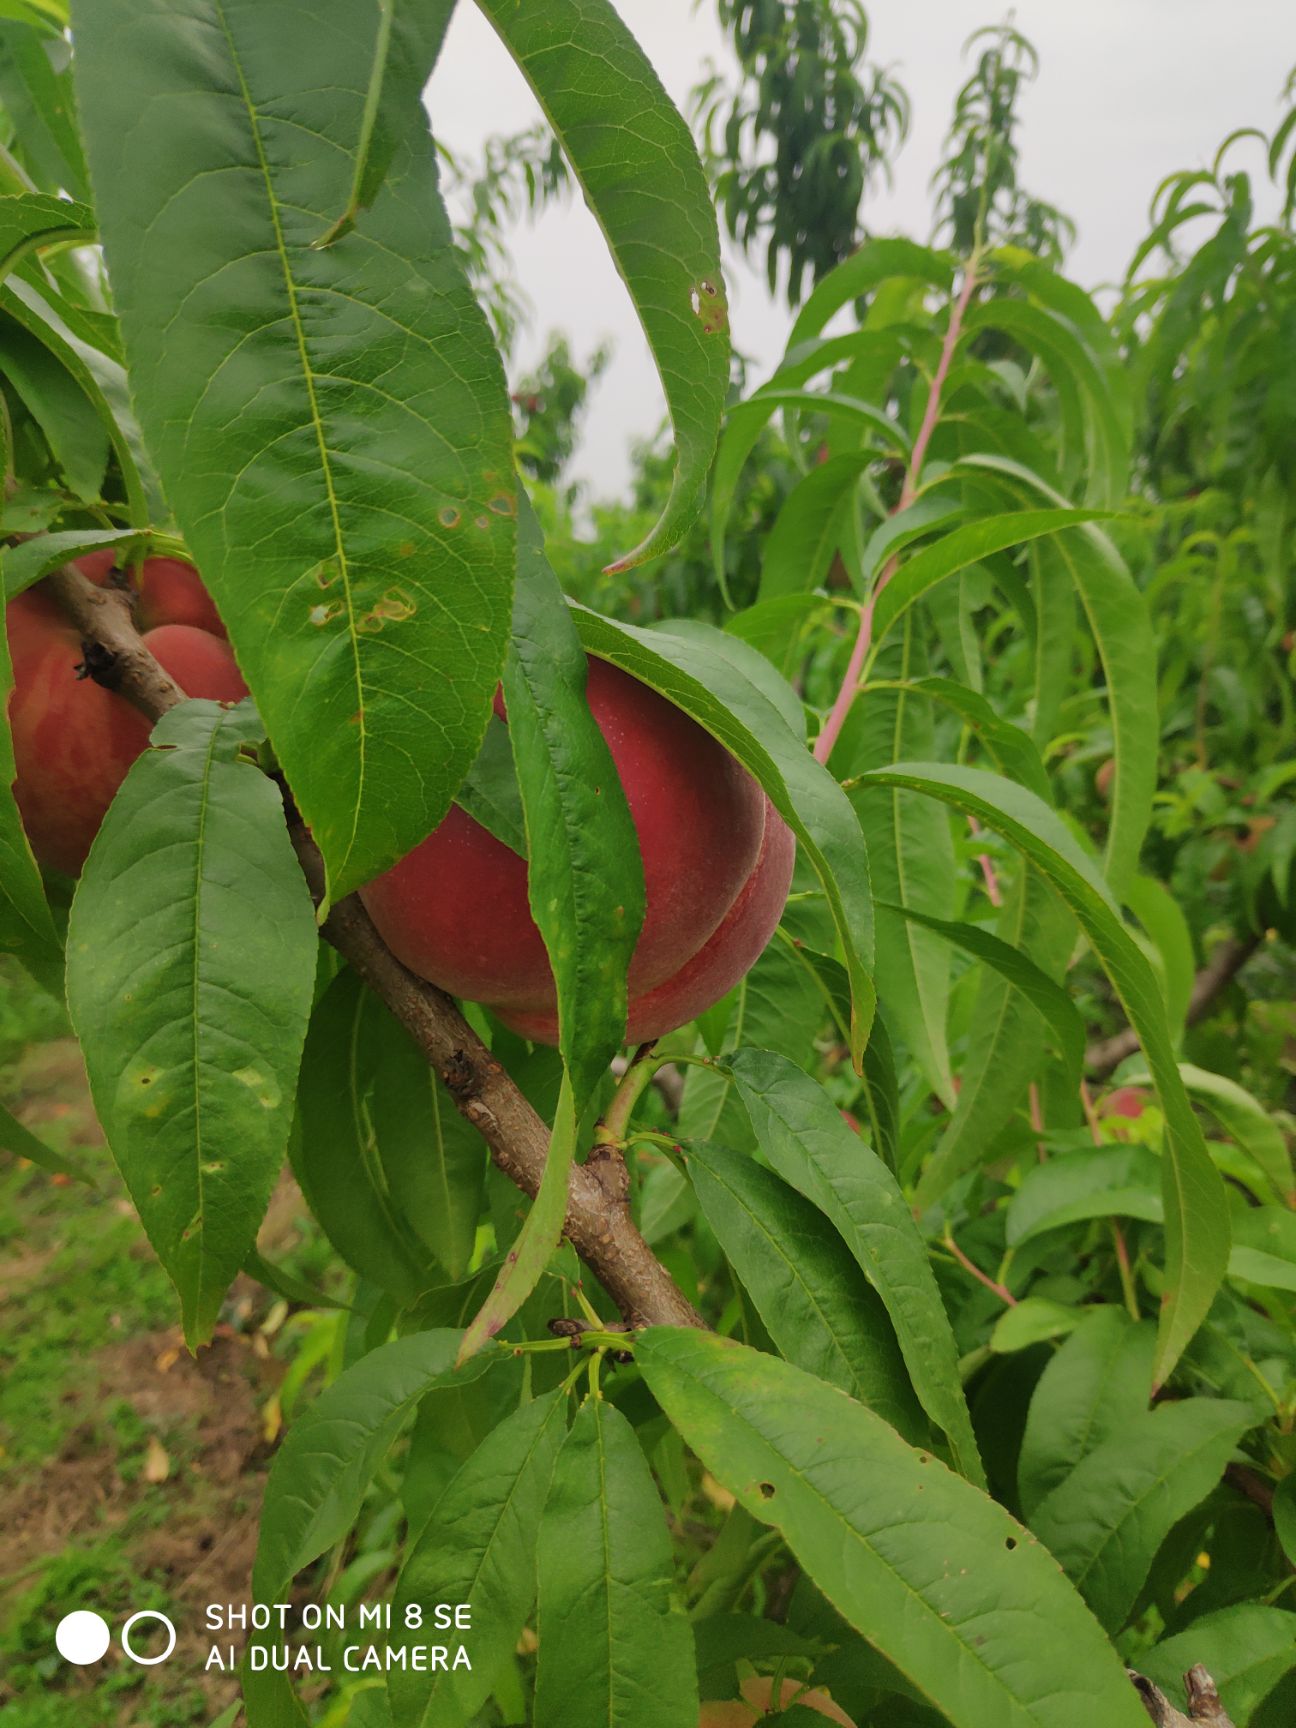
[148, 1491]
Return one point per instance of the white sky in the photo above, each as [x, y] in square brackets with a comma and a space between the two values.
[1129, 90]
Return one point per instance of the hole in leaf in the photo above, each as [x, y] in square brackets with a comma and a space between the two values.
[766, 1490]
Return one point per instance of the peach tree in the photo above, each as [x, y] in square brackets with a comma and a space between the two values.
[677, 1032]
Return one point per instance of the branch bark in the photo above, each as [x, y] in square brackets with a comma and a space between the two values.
[598, 1223]
[1214, 978]
[1203, 1701]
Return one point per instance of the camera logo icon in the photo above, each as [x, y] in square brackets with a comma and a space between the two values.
[83, 1637]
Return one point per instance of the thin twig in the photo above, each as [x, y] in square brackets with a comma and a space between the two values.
[598, 1223]
[864, 638]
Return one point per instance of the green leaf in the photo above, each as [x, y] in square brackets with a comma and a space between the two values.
[615, 1651]
[336, 1155]
[35, 219]
[874, 263]
[1012, 750]
[26, 927]
[1033, 1320]
[20, 1142]
[479, 1547]
[1104, 454]
[402, 59]
[802, 1133]
[1264, 1247]
[1049, 1000]
[1118, 616]
[941, 1581]
[433, 1159]
[31, 559]
[1247, 1649]
[539, 1236]
[1164, 923]
[961, 547]
[1006, 1040]
[1097, 1182]
[1105, 1521]
[814, 1300]
[911, 860]
[269, 1697]
[490, 793]
[1122, 628]
[585, 880]
[1094, 1386]
[1196, 1213]
[37, 97]
[1245, 1120]
[747, 420]
[799, 551]
[319, 1475]
[103, 383]
[191, 964]
[357, 536]
[637, 165]
[76, 437]
[723, 700]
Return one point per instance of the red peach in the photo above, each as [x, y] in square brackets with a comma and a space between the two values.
[73, 740]
[717, 863]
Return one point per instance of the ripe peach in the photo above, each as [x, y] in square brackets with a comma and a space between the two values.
[73, 740]
[170, 592]
[717, 863]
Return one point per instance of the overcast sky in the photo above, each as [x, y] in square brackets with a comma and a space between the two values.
[1129, 90]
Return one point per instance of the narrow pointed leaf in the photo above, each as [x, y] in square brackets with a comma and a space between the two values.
[615, 1651]
[585, 878]
[802, 1133]
[191, 963]
[479, 1547]
[1049, 1000]
[336, 1156]
[540, 1235]
[963, 546]
[1095, 1385]
[320, 1473]
[36, 219]
[911, 857]
[102, 382]
[1197, 1233]
[638, 167]
[816, 1304]
[357, 537]
[943, 1582]
[406, 44]
[1106, 1520]
[20, 1142]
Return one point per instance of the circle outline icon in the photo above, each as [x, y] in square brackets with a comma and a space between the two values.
[77, 1634]
[148, 1614]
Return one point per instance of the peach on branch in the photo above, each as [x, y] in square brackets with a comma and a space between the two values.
[717, 863]
[74, 740]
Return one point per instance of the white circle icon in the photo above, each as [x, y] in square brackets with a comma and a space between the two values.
[82, 1637]
[148, 1614]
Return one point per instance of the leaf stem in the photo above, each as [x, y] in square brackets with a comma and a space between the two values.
[1000, 1290]
[851, 682]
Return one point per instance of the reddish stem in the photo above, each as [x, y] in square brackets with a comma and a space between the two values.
[859, 653]
[987, 868]
[1001, 1290]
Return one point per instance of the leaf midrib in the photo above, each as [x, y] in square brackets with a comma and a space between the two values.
[317, 422]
